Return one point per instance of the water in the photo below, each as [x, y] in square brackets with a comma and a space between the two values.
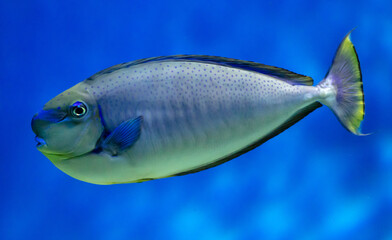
[314, 181]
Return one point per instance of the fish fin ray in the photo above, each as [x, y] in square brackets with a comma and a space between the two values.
[123, 137]
[291, 121]
[345, 77]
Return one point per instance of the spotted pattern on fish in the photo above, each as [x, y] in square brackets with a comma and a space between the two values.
[280, 73]
[169, 116]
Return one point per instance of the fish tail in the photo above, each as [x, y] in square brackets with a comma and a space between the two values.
[342, 87]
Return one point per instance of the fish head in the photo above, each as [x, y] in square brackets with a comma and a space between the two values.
[69, 125]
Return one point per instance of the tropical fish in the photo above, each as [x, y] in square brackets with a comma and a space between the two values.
[169, 116]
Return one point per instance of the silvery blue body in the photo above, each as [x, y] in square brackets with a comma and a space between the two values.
[168, 116]
[194, 114]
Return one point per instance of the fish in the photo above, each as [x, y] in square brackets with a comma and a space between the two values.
[174, 115]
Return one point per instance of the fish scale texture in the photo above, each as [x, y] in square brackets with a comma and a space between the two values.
[194, 114]
[176, 83]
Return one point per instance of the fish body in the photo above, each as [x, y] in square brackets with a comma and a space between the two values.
[168, 116]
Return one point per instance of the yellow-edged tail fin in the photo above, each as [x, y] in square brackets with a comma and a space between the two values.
[344, 77]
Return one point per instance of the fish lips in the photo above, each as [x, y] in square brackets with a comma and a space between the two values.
[40, 142]
[41, 121]
[43, 147]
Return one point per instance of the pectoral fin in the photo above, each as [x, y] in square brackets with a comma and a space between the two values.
[123, 137]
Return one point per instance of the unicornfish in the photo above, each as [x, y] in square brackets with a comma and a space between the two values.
[174, 115]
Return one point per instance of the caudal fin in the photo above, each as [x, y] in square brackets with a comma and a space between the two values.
[345, 80]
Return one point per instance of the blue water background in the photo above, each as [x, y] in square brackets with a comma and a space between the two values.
[314, 181]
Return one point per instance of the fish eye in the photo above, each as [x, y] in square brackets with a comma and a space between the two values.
[78, 109]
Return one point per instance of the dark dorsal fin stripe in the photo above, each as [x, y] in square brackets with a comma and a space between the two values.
[280, 73]
[294, 119]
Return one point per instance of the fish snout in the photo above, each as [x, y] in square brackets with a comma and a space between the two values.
[44, 118]
[37, 124]
[34, 123]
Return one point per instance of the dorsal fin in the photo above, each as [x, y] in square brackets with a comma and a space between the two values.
[280, 73]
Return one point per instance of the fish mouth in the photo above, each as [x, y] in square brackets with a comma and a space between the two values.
[42, 146]
[40, 142]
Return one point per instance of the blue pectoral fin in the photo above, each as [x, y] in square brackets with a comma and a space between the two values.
[123, 137]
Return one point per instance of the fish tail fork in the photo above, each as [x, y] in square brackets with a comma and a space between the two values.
[342, 89]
